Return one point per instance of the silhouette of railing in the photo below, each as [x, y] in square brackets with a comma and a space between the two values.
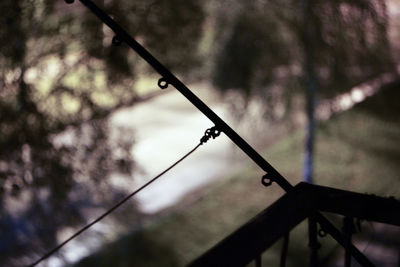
[304, 201]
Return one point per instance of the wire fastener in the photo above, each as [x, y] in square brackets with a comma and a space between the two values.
[162, 83]
[266, 181]
[210, 132]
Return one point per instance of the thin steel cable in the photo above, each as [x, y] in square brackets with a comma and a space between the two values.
[109, 211]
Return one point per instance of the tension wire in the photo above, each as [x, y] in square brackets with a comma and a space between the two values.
[211, 132]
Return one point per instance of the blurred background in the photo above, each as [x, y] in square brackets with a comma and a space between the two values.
[313, 85]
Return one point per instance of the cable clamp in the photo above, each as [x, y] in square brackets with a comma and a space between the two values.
[210, 132]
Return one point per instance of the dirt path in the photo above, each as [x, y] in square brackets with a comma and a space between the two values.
[165, 129]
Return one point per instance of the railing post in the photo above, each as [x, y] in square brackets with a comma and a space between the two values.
[313, 240]
[258, 261]
[285, 248]
[347, 233]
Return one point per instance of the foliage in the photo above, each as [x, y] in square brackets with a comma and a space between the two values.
[272, 47]
[60, 79]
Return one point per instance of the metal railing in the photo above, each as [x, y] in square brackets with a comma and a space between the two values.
[303, 202]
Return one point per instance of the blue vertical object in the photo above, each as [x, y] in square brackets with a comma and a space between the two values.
[308, 36]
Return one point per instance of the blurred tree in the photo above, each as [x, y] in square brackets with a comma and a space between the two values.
[276, 49]
[60, 79]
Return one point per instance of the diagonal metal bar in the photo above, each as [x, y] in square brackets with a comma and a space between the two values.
[173, 80]
[169, 78]
[328, 227]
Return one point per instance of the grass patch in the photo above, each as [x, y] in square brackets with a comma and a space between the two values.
[357, 150]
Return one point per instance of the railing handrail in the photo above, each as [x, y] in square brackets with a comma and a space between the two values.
[261, 232]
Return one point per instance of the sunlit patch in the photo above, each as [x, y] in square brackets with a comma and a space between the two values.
[345, 102]
[12, 75]
[72, 58]
[357, 95]
[70, 104]
[30, 75]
